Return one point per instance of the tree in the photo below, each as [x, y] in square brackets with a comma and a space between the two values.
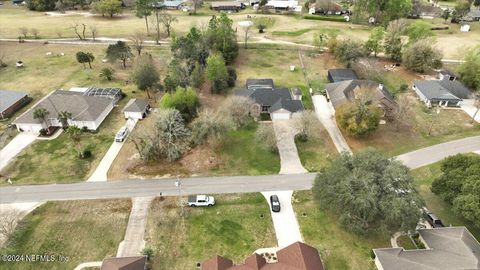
[349, 51]
[197, 77]
[93, 31]
[75, 27]
[308, 126]
[168, 140]
[75, 134]
[184, 100]
[384, 10]
[360, 117]
[403, 114]
[109, 7]
[470, 70]
[23, 31]
[239, 110]
[462, 7]
[137, 39]
[167, 20]
[217, 72]
[8, 224]
[85, 57]
[246, 27]
[374, 42]
[419, 30]
[107, 73]
[35, 32]
[41, 114]
[209, 126]
[63, 118]
[446, 14]
[393, 39]
[41, 5]
[119, 51]
[369, 192]
[196, 4]
[222, 37]
[476, 3]
[262, 23]
[143, 9]
[459, 185]
[177, 75]
[421, 56]
[145, 75]
[265, 136]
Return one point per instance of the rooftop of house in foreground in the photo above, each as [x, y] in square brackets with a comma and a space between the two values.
[446, 249]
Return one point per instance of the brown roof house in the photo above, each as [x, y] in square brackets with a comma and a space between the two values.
[11, 101]
[343, 92]
[297, 256]
[125, 263]
[450, 248]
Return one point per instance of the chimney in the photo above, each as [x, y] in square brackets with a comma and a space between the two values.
[380, 86]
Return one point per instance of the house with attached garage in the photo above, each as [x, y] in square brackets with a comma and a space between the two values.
[88, 108]
[444, 92]
[11, 101]
[448, 248]
[279, 103]
[347, 91]
[136, 109]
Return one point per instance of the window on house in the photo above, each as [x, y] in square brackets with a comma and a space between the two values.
[265, 108]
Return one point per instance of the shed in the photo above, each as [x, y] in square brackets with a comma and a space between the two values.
[227, 6]
[136, 109]
[341, 74]
[11, 101]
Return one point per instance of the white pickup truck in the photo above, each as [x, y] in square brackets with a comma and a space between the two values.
[200, 200]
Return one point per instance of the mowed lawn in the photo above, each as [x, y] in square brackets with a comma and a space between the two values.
[316, 153]
[424, 177]
[232, 228]
[339, 249]
[83, 231]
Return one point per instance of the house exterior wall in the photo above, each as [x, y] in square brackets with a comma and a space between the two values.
[133, 115]
[420, 95]
[281, 115]
[12, 109]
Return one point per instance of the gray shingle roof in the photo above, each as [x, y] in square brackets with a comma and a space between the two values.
[8, 98]
[443, 90]
[448, 249]
[136, 105]
[276, 98]
[343, 92]
[82, 108]
[341, 74]
[259, 83]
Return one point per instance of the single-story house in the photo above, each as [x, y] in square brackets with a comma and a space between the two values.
[441, 92]
[280, 103]
[280, 5]
[449, 248]
[88, 109]
[473, 15]
[125, 263]
[169, 4]
[227, 6]
[420, 9]
[329, 7]
[11, 101]
[136, 109]
[340, 93]
[297, 256]
[341, 74]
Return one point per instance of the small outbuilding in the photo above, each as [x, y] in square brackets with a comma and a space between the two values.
[136, 109]
[227, 6]
[11, 101]
[341, 74]
[125, 263]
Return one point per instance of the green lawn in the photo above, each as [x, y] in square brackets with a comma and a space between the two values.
[243, 155]
[316, 153]
[233, 228]
[339, 249]
[83, 231]
[405, 242]
[424, 177]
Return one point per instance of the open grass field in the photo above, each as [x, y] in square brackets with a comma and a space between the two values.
[449, 124]
[83, 231]
[233, 228]
[424, 177]
[339, 249]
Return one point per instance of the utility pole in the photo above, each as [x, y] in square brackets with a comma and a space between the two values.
[178, 184]
[476, 104]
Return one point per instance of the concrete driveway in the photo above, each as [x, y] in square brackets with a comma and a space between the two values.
[470, 109]
[14, 147]
[100, 173]
[289, 159]
[284, 222]
[325, 114]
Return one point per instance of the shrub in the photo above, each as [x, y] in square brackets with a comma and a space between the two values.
[86, 153]
[232, 76]
[184, 100]
[209, 125]
[43, 132]
[238, 109]
[265, 136]
[107, 73]
[325, 18]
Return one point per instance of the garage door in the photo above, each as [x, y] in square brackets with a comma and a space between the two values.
[280, 115]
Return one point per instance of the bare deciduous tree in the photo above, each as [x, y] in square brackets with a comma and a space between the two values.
[137, 39]
[246, 27]
[8, 224]
[75, 27]
[167, 20]
[308, 126]
[23, 31]
[239, 109]
[93, 31]
[265, 136]
[403, 113]
[34, 32]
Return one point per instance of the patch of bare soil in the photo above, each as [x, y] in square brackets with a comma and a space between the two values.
[208, 99]
[201, 159]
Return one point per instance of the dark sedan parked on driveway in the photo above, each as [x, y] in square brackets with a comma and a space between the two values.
[275, 203]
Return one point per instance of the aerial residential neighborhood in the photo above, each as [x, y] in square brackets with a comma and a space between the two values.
[240, 134]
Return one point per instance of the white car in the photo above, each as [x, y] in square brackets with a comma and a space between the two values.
[201, 200]
[121, 134]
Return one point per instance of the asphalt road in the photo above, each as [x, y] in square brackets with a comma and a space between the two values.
[145, 188]
[212, 185]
